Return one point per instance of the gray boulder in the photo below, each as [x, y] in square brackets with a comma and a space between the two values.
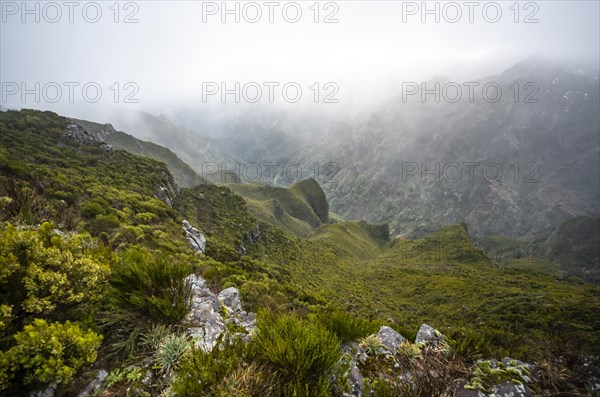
[230, 298]
[510, 389]
[390, 338]
[163, 194]
[428, 335]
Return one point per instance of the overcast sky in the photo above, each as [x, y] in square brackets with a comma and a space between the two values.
[372, 48]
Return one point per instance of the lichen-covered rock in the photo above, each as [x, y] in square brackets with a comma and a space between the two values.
[511, 377]
[93, 388]
[196, 239]
[352, 354]
[211, 314]
[230, 298]
[428, 335]
[390, 338]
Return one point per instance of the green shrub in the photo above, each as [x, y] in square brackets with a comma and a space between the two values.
[46, 353]
[204, 374]
[372, 345]
[303, 352]
[91, 209]
[346, 326]
[45, 273]
[485, 375]
[170, 351]
[151, 285]
[155, 336]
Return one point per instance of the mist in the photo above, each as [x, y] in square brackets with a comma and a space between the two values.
[177, 58]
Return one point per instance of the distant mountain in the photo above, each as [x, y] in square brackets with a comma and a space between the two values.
[516, 169]
[201, 153]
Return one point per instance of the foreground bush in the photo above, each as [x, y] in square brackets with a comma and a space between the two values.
[208, 374]
[302, 352]
[347, 327]
[151, 285]
[47, 353]
[43, 273]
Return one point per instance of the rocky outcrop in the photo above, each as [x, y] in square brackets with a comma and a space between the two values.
[253, 235]
[196, 239]
[163, 194]
[354, 356]
[50, 391]
[81, 135]
[211, 315]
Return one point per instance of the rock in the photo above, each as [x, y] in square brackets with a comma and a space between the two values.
[390, 338]
[427, 335]
[230, 298]
[78, 133]
[199, 286]
[196, 239]
[205, 322]
[163, 194]
[206, 336]
[95, 385]
[352, 353]
[48, 392]
[241, 249]
[58, 232]
[506, 389]
[462, 392]
[510, 389]
[253, 235]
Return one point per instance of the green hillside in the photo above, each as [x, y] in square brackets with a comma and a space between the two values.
[106, 290]
[183, 174]
[298, 209]
[573, 249]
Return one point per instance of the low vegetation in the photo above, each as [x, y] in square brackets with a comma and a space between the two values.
[92, 268]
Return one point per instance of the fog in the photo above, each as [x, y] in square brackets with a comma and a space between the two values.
[161, 57]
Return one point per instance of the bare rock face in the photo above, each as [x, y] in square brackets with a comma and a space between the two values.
[195, 237]
[82, 136]
[211, 314]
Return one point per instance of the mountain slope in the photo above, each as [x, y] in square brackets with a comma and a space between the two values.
[54, 170]
[532, 165]
[199, 152]
[298, 209]
[184, 175]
